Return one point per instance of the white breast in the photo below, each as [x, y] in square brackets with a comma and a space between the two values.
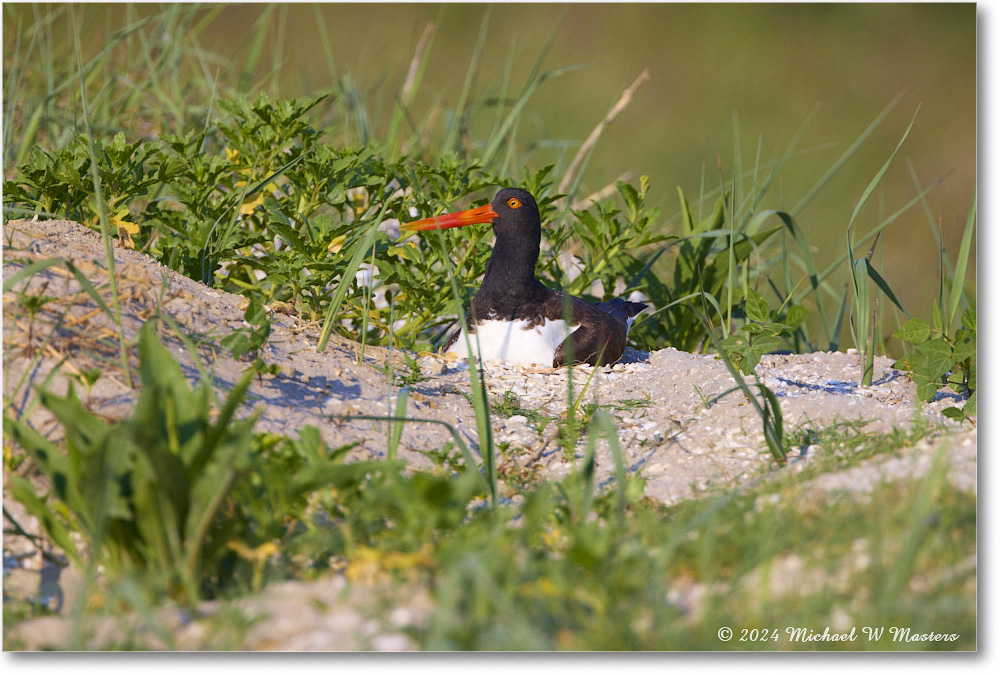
[515, 341]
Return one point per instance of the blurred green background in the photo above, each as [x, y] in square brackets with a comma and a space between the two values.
[722, 77]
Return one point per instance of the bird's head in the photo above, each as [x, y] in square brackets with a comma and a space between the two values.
[512, 210]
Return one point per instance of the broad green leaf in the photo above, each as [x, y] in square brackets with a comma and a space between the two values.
[965, 346]
[969, 319]
[278, 221]
[796, 316]
[970, 406]
[238, 343]
[903, 363]
[933, 358]
[756, 307]
[22, 490]
[926, 388]
[915, 331]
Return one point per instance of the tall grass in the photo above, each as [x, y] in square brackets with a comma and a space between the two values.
[102, 210]
[864, 327]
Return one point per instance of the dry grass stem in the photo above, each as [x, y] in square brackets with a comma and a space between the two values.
[84, 317]
[584, 150]
[418, 57]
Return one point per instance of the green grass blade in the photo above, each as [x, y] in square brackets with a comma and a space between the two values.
[102, 213]
[501, 137]
[347, 278]
[843, 159]
[463, 448]
[770, 413]
[409, 90]
[396, 428]
[832, 267]
[759, 193]
[606, 425]
[324, 38]
[885, 288]
[192, 350]
[958, 279]
[257, 37]
[881, 172]
[89, 288]
[29, 270]
[457, 121]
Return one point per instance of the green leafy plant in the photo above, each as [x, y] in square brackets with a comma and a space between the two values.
[942, 356]
[761, 333]
[768, 408]
[249, 338]
[259, 204]
[173, 491]
[146, 491]
[940, 361]
[410, 373]
[58, 183]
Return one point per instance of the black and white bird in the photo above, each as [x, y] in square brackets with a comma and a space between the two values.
[514, 316]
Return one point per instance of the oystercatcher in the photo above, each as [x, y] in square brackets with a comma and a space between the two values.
[515, 317]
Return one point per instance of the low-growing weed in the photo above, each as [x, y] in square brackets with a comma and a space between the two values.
[941, 357]
[156, 492]
[409, 374]
[509, 405]
[846, 443]
[250, 338]
[940, 361]
[762, 332]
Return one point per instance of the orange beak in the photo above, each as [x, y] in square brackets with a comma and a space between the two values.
[481, 214]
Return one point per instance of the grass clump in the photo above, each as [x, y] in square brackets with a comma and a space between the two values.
[155, 493]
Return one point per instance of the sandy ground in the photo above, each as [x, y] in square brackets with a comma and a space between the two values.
[672, 426]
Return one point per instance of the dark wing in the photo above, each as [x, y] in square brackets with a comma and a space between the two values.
[623, 310]
[600, 339]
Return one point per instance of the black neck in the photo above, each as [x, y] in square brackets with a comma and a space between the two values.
[510, 280]
[513, 261]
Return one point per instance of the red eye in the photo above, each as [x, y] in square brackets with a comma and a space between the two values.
[514, 203]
